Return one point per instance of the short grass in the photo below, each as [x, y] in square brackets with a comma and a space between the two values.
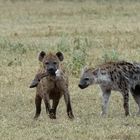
[88, 33]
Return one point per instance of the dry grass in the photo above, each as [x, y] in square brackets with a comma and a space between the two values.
[104, 30]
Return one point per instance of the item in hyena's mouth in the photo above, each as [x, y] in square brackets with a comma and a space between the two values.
[58, 72]
[37, 79]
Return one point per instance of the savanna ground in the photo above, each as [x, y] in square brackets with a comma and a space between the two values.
[88, 33]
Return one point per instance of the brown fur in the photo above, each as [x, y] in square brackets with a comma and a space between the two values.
[52, 87]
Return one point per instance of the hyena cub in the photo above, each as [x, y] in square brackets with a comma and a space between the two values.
[119, 76]
[51, 83]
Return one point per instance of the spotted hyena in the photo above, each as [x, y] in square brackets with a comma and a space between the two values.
[51, 83]
[119, 76]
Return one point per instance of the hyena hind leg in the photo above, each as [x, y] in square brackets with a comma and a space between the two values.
[126, 102]
[136, 95]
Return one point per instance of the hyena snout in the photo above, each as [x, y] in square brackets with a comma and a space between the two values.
[51, 71]
[83, 84]
[80, 86]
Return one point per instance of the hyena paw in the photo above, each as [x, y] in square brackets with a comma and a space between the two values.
[52, 114]
[127, 114]
[70, 115]
[36, 116]
[103, 114]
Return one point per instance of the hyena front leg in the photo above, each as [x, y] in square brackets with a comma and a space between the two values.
[47, 102]
[105, 100]
[68, 104]
[126, 102]
[38, 100]
[52, 112]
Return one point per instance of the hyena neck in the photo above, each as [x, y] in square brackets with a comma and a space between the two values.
[52, 77]
[102, 82]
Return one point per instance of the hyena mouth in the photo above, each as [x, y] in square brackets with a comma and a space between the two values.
[52, 72]
[83, 86]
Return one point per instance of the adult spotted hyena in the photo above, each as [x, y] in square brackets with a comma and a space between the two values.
[52, 83]
[119, 76]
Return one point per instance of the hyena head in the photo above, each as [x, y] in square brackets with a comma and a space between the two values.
[93, 76]
[51, 62]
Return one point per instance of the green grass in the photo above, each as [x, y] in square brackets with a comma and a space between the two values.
[88, 33]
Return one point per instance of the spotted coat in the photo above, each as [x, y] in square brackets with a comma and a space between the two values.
[119, 76]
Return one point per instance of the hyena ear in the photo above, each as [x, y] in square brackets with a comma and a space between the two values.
[85, 68]
[95, 72]
[60, 56]
[41, 56]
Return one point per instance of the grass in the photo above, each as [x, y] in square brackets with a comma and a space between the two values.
[88, 33]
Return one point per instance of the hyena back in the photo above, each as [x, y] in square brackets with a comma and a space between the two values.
[52, 86]
[119, 76]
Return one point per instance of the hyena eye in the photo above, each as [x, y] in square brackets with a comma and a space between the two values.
[46, 63]
[54, 63]
[103, 73]
[86, 79]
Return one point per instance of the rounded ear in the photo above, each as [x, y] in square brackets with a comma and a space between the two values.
[85, 68]
[95, 72]
[60, 56]
[41, 56]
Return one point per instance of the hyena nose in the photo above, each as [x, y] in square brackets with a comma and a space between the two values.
[50, 69]
[80, 86]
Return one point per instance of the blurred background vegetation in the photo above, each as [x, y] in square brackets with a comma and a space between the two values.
[88, 32]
